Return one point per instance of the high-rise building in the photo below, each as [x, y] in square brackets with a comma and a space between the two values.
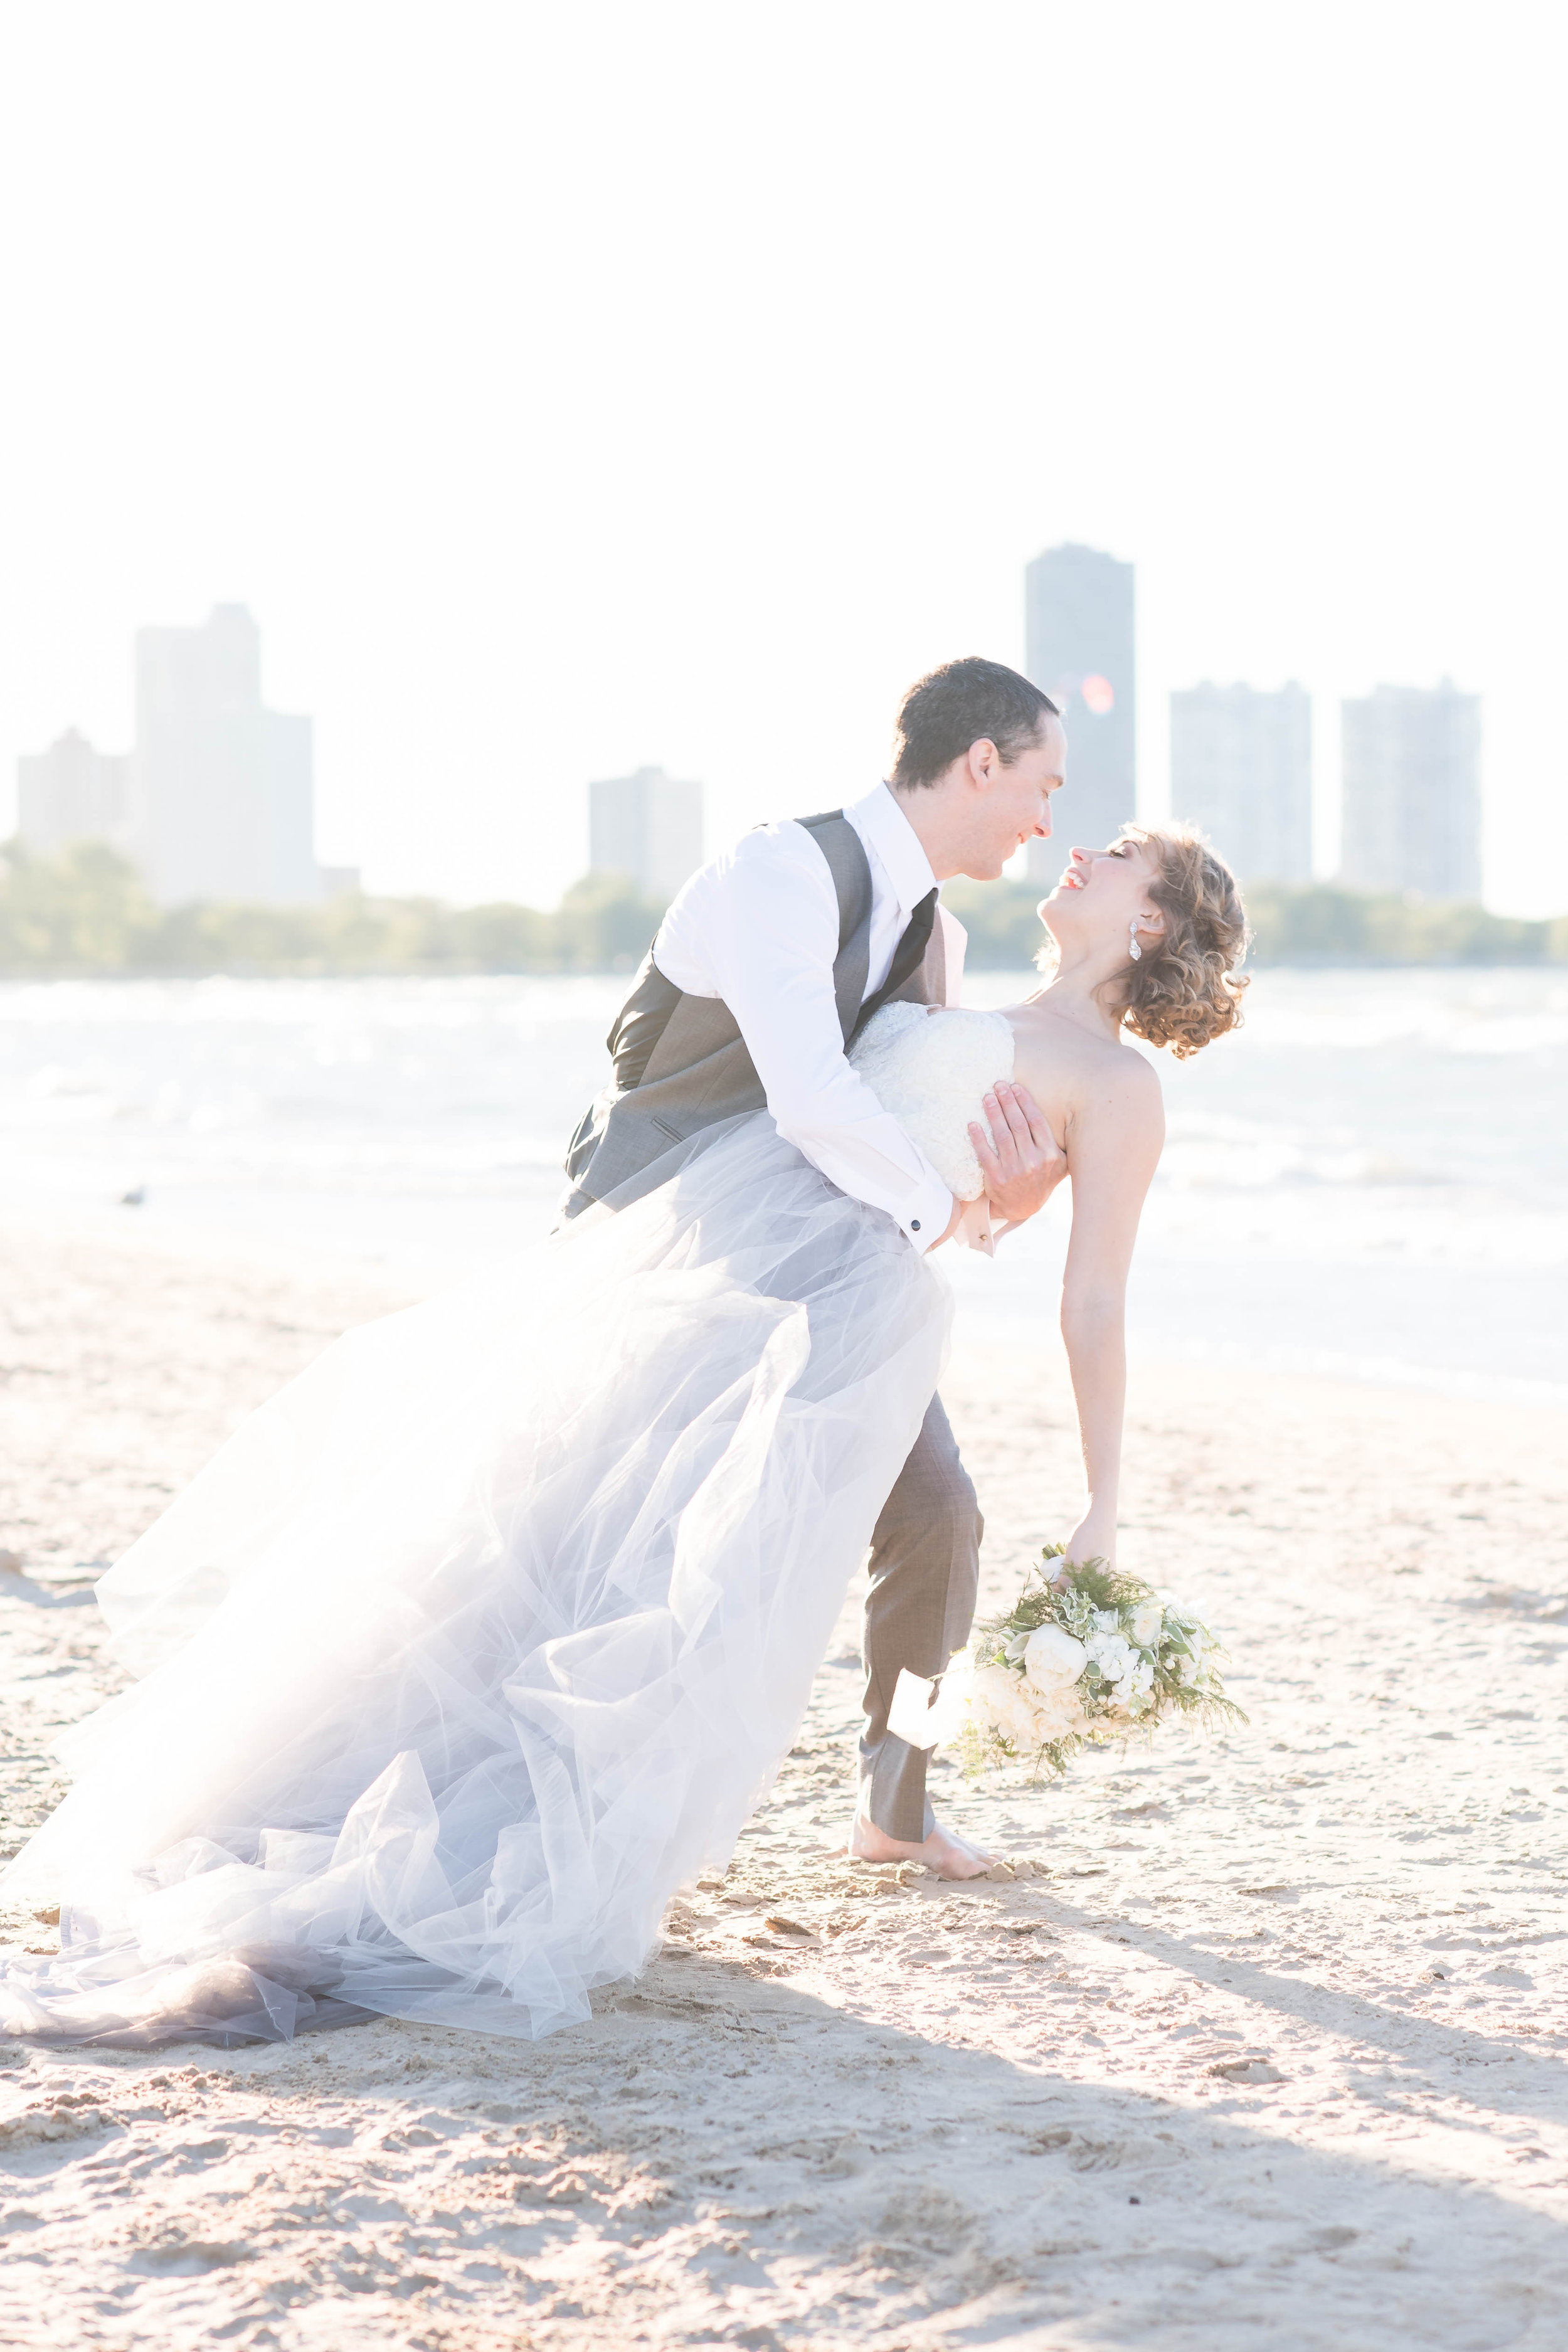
[225, 788]
[647, 827]
[1078, 638]
[1413, 792]
[217, 799]
[72, 793]
[1241, 769]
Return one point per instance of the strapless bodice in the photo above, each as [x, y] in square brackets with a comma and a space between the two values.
[930, 1069]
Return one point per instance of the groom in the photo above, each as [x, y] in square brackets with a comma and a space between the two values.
[769, 962]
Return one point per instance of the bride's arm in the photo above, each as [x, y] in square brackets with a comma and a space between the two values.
[1112, 1147]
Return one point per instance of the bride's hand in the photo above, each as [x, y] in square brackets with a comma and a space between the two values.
[1091, 1539]
[1019, 1157]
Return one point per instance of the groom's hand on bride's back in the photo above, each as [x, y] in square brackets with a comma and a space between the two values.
[1019, 1158]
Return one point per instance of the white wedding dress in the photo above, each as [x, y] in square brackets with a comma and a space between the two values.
[489, 1630]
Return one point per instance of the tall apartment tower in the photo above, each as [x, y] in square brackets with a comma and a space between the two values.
[1413, 792]
[647, 827]
[72, 793]
[1079, 638]
[1241, 769]
[224, 787]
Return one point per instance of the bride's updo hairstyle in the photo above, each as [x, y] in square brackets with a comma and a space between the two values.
[1186, 990]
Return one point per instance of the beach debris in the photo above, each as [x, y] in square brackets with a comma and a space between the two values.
[1245, 2070]
[849, 2157]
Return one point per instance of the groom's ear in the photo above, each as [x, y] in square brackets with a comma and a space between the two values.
[984, 760]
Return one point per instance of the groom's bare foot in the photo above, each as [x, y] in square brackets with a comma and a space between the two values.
[950, 1855]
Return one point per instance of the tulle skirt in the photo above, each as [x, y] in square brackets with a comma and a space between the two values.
[489, 1630]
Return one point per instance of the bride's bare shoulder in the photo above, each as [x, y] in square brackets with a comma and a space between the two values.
[1072, 1063]
[1135, 1076]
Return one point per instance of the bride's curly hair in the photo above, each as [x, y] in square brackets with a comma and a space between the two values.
[1186, 990]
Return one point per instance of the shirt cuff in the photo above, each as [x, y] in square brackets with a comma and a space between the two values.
[925, 1222]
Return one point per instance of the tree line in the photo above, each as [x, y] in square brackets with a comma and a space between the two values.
[87, 912]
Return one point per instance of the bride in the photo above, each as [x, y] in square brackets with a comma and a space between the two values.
[489, 1633]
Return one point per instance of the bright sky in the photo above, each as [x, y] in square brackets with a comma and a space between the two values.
[567, 388]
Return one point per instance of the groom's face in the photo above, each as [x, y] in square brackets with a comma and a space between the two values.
[1013, 802]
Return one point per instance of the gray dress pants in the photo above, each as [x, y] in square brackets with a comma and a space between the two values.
[925, 1569]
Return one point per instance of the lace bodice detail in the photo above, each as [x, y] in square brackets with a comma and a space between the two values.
[930, 1070]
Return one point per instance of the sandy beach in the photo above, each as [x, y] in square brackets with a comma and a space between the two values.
[1256, 2039]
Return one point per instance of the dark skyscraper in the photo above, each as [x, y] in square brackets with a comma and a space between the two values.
[1078, 638]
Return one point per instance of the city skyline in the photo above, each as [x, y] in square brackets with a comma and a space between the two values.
[71, 789]
[215, 801]
[659, 478]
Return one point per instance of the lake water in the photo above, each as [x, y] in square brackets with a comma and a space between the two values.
[1371, 1179]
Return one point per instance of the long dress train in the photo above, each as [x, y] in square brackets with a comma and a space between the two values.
[489, 1630]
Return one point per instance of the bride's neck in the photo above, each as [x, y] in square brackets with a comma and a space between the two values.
[1081, 990]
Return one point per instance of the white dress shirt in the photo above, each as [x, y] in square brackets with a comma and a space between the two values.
[759, 928]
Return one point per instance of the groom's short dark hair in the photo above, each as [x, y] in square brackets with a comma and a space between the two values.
[951, 707]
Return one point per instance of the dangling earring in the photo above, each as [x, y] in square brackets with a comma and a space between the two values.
[1134, 950]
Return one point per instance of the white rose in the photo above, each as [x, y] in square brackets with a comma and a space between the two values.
[1147, 1620]
[1052, 1656]
[995, 1695]
[1033, 1722]
[1023, 1729]
[1058, 1712]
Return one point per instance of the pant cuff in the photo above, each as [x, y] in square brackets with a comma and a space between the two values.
[893, 1791]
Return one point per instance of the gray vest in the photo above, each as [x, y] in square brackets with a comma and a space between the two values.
[678, 1063]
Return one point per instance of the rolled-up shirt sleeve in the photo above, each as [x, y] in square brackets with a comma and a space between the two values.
[767, 917]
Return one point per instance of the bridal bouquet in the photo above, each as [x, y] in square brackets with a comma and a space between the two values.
[1083, 1656]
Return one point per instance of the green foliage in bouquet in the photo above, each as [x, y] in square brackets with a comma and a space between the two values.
[1084, 1656]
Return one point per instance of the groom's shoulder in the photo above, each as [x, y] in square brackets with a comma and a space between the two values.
[781, 844]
